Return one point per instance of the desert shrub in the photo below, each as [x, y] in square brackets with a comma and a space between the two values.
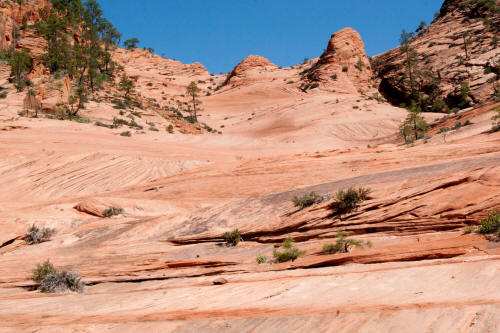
[101, 124]
[51, 280]
[334, 76]
[261, 260]
[314, 86]
[190, 119]
[112, 211]
[359, 65]
[42, 270]
[153, 129]
[133, 124]
[3, 94]
[491, 224]
[469, 229]
[306, 200]
[77, 118]
[126, 133]
[170, 129]
[348, 200]
[290, 252]
[119, 104]
[232, 238]
[342, 244]
[35, 235]
[345, 69]
[439, 106]
[135, 113]
[496, 120]
[119, 122]
[149, 84]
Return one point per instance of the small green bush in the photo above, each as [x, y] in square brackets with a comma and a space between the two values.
[232, 238]
[170, 129]
[491, 224]
[348, 200]
[126, 133]
[35, 235]
[496, 120]
[261, 260]
[342, 244]
[469, 229]
[306, 200]
[290, 252]
[101, 124]
[50, 280]
[112, 211]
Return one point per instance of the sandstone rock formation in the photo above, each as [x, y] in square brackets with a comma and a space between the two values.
[251, 67]
[458, 46]
[343, 63]
[162, 264]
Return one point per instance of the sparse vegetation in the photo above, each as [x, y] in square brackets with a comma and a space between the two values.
[232, 238]
[491, 224]
[193, 91]
[261, 260]
[126, 85]
[36, 235]
[290, 252]
[20, 63]
[496, 120]
[306, 200]
[342, 245]
[411, 61]
[112, 211]
[414, 126]
[51, 280]
[359, 64]
[131, 43]
[85, 59]
[349, 200]
[457, 125]
[170, 129]
[469, 229]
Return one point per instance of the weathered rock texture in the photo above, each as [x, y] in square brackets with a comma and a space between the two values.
[344, 62]
[443, 63]
[162, 265]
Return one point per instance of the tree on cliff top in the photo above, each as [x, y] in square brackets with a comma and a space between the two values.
[131, 43]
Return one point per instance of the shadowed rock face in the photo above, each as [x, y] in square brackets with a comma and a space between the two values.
[457, 47]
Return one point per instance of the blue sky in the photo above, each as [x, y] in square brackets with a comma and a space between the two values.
[220, 33]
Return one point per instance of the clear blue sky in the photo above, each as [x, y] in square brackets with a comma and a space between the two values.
[220, 33]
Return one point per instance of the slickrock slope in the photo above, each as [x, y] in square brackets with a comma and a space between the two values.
[458, 46]
[152, 267]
